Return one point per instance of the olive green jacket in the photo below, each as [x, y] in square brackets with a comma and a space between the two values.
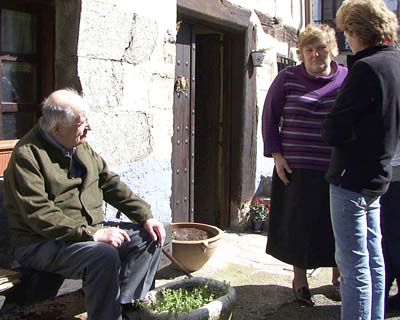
[43, 203]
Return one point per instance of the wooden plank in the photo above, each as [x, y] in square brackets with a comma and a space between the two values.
[6, 148]
[8, 279]
[180, 140]
[81, 316]
[8, 285]
[8, 273]
[216, 12]
[244, 122]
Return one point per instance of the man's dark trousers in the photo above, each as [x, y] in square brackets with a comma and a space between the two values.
[111, 276]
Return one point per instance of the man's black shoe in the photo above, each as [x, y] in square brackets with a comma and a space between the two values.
[132, 311]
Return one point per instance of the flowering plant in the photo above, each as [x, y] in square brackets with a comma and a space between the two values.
[259, 209]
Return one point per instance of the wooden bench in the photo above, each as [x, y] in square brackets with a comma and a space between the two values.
[8, 279]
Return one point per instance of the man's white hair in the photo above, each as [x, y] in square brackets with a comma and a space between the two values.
[53, 113]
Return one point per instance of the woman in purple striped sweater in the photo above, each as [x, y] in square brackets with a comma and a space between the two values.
[300, 231]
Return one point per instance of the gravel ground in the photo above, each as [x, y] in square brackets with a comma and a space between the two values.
[262, 284]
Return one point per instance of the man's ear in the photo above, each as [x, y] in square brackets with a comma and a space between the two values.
[56, 131]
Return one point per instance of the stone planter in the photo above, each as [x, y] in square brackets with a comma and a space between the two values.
[219, 309]
[193, 254]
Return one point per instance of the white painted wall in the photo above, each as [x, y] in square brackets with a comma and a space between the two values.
[126, 67]
[290, 13]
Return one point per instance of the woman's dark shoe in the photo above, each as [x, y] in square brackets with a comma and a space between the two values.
[393, 303]
[303, 295]
[336, 296]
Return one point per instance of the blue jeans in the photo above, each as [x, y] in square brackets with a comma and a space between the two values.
[356, 226]
[390, 224]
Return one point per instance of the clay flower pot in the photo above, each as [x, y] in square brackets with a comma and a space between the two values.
[219, 309]
[194, 253]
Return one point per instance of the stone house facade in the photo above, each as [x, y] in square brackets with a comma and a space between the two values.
[175, 98]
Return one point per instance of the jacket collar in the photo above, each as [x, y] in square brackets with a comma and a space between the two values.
[52, 147]
[46, 136]
[351, 59]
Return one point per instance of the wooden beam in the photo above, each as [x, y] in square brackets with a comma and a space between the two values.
[219, 12]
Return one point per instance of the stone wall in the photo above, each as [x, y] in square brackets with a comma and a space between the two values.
[121, 55]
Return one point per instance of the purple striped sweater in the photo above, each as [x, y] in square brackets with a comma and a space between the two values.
[294, 108]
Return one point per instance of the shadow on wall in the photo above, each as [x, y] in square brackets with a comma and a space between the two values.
[68, 16]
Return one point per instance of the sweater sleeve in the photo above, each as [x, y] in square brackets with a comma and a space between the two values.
[357, 96]
[119, 195]
[271, 116]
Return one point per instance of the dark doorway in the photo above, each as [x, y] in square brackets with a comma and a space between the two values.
[209, 128]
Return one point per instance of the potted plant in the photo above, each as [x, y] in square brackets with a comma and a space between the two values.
[258, 213]
[190, 299]
[258, 57]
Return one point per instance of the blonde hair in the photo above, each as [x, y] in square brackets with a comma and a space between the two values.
[321, 32]
[370, 20]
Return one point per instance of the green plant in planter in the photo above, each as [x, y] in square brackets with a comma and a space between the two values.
[259, 209]
[186, 299]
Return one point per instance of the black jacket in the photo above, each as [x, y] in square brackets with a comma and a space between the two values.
[363, 125]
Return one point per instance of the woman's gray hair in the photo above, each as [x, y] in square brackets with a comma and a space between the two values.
[53, 113]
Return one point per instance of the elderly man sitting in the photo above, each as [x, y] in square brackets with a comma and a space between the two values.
[55, 185]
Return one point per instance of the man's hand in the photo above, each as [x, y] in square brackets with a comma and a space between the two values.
[156, 231]
[114, 236]
[281, 167]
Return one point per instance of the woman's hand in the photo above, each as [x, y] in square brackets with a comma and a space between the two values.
[281, 167]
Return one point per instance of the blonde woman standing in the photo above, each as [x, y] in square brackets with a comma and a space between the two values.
[363, 127]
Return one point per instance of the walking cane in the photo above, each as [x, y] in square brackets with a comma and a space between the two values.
[168, 255]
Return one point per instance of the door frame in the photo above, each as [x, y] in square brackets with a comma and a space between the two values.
[236, 25]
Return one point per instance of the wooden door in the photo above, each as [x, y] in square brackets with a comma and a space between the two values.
[200, 142]
[182, 142]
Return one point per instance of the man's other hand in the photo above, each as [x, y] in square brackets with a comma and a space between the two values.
[156, 231]
[114, 236]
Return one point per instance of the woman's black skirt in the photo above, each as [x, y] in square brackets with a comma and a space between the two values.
[300, 230]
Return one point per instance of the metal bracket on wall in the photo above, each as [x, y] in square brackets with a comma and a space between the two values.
[181, 85]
